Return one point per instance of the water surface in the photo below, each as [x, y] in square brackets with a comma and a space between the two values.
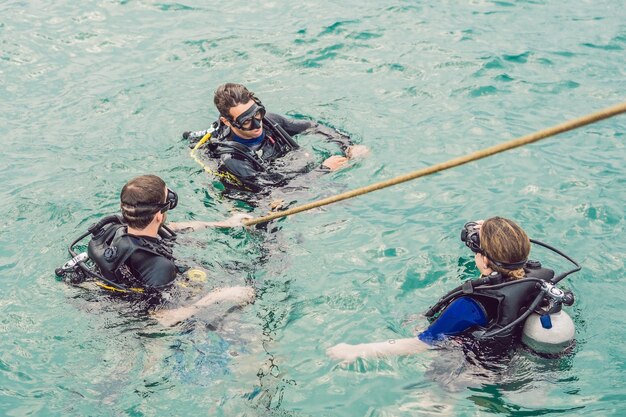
[92, 94]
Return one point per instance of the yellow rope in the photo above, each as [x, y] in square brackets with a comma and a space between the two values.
[201, 142]
[111, 288]
[515, 143]
[226, 176]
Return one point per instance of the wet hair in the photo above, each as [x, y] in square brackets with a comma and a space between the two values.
[140, 199]
[229, 95]
[503, 240]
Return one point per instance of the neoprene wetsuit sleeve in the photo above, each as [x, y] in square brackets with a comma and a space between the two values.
[461, 315]
[291, 126]
[295, 127]
[332, 135]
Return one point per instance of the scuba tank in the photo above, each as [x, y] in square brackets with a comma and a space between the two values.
[549, 329]
[549, 336]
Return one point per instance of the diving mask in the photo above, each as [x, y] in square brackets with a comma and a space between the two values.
[251, 119]
[471, 237]
[170, 202]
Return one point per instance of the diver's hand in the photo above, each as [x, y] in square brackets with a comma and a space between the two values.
[352, 152]
[240, 295]
[357, 151]
[190, 226]
[345, 352]
[235, 221]
[277, 204]
[335, 162]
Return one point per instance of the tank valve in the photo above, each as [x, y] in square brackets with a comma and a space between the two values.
[69, 265]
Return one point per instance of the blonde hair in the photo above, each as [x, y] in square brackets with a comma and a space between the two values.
[502, 240]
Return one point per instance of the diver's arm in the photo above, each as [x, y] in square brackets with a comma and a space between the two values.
[393, 347]
[234, 221]
[344, 141]
[291, 126]
[335, 162]
[350, 150]
[307, 127]
[237, 295]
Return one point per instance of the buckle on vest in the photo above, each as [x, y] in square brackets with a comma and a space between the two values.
[110, 253]
[467, 287]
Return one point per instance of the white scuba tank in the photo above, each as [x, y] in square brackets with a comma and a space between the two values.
[551, 336]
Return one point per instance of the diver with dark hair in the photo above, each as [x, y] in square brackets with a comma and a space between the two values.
[515, 299]
[132, 253]
[247, 142]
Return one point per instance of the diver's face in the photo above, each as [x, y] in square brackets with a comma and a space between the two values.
[244, 133]
[482, 263]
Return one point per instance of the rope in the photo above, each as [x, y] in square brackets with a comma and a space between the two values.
[201, 142]
[483, 153]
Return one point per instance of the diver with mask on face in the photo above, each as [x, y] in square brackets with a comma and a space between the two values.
[515, 299]
[132, 253]
[246, 145]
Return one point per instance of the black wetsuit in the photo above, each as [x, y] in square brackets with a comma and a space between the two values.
[250, 166]
[152, 270]
[132, 261]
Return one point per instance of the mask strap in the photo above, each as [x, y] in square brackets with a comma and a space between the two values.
[505, 265]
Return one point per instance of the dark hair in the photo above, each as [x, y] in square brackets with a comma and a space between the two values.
[229, 95]
[504, 241]
[140, 199]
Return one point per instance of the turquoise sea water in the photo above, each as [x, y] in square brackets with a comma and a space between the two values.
[94, 93]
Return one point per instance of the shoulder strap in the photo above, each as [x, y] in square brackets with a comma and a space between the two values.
[229, 147]
[113, 247]
[281, 135]
[467, 288]
[157, 248]
[545, 274]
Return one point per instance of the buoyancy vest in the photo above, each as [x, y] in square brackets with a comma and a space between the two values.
[112, 247]
[503, 303]
[257, 173]
[220, 148]
[274, 133]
